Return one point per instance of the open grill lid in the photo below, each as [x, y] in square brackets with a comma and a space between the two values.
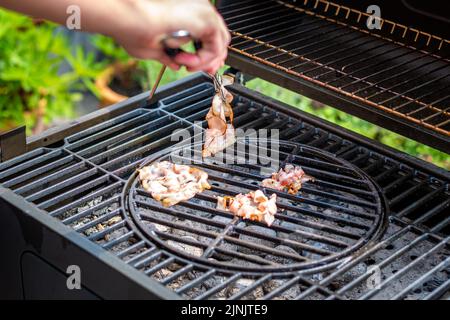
[397, 77]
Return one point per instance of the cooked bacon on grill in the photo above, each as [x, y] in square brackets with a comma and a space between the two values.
[254, 206]
[289, 179]
[220, 134]
[172, 183]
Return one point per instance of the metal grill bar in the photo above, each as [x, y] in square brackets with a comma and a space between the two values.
[332, 62]
[405, 81]
[386, 70]
[129, 122]
[97, 221]
[367, 57]
[192, 284]
[154, 146]
[30, 165]
[89, 211]
[385, 262]
[71, 181]
[286, 23]
[323, 65]
[407, 193]
[38, 171]
[282, 51]
[249, 289]
[269, 9]
[129, 250]
[287, 285]
[101, 234]
[242, 6]
[159, 266]
[422, 279]
[119, 240]
[315, 225]
[435, 210]
[220, 287]
[177, 274]
[404, 270]
[80, 201]
[74, 192]
[135, 132]
[439, 291]
[421, 201]
[339, 90]
[273, 16]
[426, 106]
[148, 256]
[48, 178]
[438, 228]
[142, 139]
[246, 244]
[288, 36]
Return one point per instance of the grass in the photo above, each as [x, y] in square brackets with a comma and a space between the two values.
[352, 123]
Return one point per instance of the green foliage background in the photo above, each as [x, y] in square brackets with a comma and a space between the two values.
[31, 54]
[29, 60]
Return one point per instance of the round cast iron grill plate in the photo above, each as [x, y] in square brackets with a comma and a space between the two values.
[304, 222]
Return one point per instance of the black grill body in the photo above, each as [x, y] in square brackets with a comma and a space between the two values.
[80, 170]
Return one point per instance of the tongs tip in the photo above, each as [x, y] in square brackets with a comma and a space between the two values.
[218, 85]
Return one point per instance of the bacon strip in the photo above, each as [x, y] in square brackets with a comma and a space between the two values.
[254, 206]
[289, 179]
[172, 183]
[220, 134]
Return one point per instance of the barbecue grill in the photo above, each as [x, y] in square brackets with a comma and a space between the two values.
[373, 225]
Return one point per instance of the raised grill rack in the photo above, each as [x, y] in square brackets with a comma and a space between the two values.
[397, 77]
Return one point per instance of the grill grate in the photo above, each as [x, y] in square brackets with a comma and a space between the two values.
[334, 216]
[409, 80]
[413, 255]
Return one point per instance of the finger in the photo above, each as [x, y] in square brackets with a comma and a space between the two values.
[211, 67]
[187, 59]
[164, 59]
[217, 63]
[226, 37]
[225, 32]
[212, 48]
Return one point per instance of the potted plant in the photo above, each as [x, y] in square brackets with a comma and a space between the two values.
[125, 76]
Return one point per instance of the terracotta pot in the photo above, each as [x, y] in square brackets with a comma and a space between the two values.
[107, 95]
[37, 113]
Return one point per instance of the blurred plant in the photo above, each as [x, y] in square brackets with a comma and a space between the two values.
[111, 51]
[146, 70]
[31, 90]
[86, 67]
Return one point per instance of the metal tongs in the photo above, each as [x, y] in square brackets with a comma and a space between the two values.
[218, 85]
[169, 44]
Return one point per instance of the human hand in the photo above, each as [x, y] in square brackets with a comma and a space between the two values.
[142, 25]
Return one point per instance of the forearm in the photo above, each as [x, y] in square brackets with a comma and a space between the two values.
[139, 25]
[95, 16]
